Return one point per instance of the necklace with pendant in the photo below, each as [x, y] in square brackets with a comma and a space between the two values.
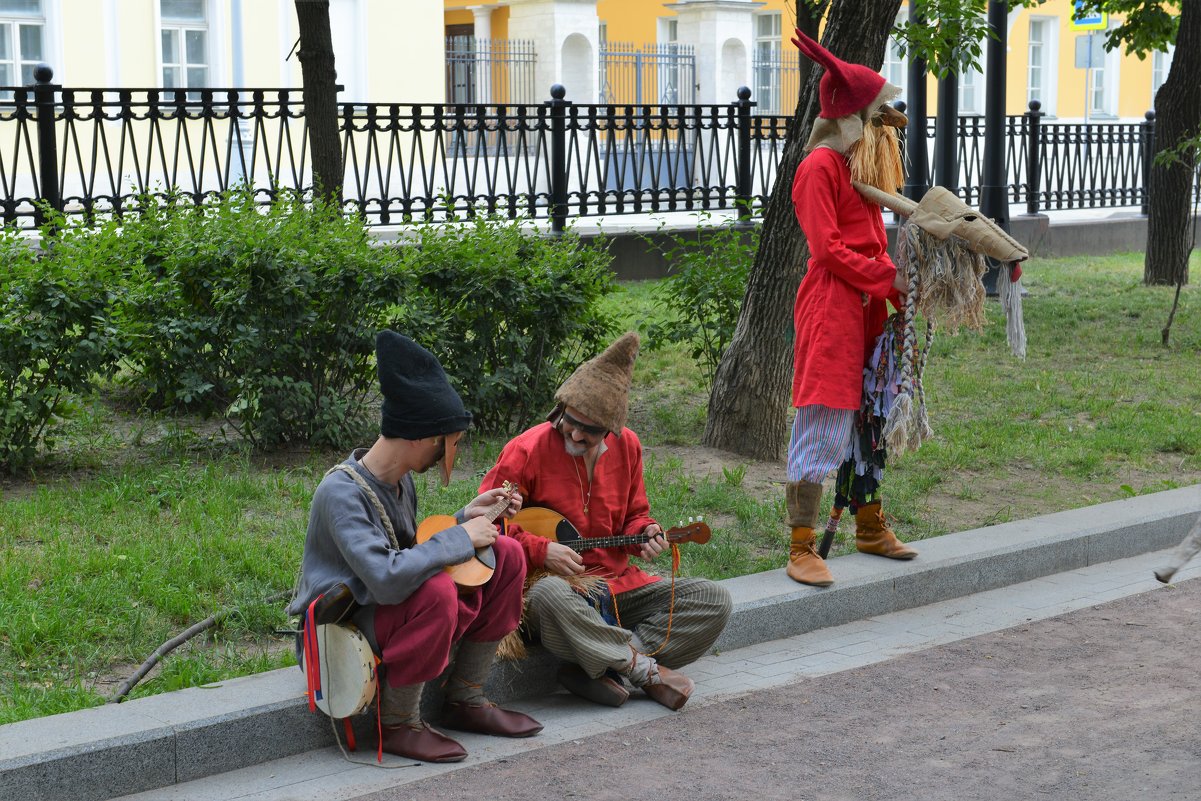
[585, 498]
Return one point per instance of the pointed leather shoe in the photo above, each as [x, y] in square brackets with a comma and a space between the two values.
[488, 719]
[872, 535]
[669, 688]
[804, 565]
[605, 690]
[423, 743]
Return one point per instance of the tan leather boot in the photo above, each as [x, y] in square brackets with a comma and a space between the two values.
[804, 565]
[872, 534]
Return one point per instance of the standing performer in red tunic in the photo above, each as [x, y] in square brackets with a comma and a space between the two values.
[841, 304]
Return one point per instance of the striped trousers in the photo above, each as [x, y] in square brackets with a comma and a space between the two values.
[822, 439]
[572, 629]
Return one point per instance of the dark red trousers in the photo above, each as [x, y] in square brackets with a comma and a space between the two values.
[415, 636]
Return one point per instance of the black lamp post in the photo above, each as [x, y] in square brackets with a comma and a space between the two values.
[918, 180]
[993, 201]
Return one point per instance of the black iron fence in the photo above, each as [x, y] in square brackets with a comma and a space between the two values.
[1056, 165]
[90, 153]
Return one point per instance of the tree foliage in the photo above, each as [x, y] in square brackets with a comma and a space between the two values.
[1146, 26]
[951, 37]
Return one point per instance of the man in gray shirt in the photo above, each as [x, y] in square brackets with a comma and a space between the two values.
[362, 544]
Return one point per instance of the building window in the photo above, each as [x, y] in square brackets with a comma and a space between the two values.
[971, 96]
[1036, 62]
[185, 45]
[895, 70]
[768, 63]
[1161, 64]
[669, 30]
[22, 28]
[1103, 82]
[1042, 63]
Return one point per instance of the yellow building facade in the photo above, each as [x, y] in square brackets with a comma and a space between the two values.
[222, 43]
[1041, 53]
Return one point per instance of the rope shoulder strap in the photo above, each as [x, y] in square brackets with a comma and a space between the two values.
[371, 496]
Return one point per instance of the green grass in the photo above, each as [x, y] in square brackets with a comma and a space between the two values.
[137, 528]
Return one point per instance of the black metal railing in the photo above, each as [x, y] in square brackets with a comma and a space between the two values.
[90, 153]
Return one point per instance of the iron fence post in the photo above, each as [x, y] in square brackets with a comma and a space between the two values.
[1033, 155]
[48, 190]
[947, 133]
[916, 145]
[1148, 143]
[558, 158]
[742, 199]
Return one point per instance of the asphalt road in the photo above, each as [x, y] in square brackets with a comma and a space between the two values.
[1100, 704]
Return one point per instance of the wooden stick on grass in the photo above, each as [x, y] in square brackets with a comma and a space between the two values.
[173, 643]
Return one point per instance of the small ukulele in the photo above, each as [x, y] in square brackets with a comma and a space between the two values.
[551, 525]
[479, 568]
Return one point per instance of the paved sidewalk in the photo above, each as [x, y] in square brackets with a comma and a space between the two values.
[754, 669]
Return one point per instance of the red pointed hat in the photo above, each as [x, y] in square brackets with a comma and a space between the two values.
[844, 88]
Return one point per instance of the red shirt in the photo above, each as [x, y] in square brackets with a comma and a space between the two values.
[616, 497]
[840, 305]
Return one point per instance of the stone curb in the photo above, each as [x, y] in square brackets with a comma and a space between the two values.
[116, 750]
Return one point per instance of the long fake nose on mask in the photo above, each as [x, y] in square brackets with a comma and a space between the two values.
[942, 214]
[451, 443]
[890, 116]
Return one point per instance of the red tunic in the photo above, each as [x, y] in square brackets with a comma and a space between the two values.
[550, 478]
[840, 306]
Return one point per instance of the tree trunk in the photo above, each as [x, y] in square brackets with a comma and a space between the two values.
[316, 56]
[751, 397]
[1177, 117]
[808, 19]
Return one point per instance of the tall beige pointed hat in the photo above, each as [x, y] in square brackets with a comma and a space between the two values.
[600, 387]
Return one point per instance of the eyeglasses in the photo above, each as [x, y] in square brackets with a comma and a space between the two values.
[583, 428]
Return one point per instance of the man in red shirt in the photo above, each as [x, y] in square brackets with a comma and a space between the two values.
[840, 306]
[584, 464]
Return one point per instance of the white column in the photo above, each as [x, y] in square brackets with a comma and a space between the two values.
[565, 34]
[722, 35]
[483, 52]
[112, 45]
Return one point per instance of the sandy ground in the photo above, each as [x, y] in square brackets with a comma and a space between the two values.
[1102, 704]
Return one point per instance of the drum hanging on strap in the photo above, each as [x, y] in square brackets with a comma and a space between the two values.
[346, 681]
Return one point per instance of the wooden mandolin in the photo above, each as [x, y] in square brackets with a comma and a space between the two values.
[479, 568]
[551, 525]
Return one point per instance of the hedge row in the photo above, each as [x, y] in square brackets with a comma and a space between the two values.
[265, 316]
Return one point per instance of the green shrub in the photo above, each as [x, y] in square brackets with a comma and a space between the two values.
[508, 312]
[56, 338]
[265, 316]
[703, 294]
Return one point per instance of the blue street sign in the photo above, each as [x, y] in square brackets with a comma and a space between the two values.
[1090, 21]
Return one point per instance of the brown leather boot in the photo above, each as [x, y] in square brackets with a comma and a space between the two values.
[872, 534]
[804, 565]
